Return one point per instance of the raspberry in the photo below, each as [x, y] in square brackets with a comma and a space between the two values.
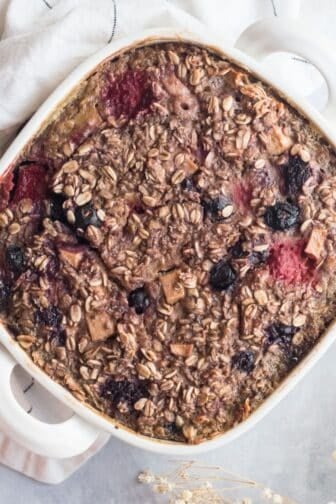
[128, 94]
[288, 263]
[31, 183]
[242, 195]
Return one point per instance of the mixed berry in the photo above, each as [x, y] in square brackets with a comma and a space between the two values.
[222, 276]
[139, 300]
[282, 216]
[128, 94]
[50, 316]
[15, 261]
[56, 210]
[289, 263]
[4, 295]
[214, 207]
[31, 184]
[237, 250]
[86, 216]
[295, 172]
[280, 334]
[244, 361]
[123, 390]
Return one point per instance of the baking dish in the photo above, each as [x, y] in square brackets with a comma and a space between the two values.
[76, 434]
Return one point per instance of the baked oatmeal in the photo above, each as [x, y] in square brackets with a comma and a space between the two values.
[168, 242]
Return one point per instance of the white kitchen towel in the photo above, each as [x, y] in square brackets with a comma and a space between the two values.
[43, 40]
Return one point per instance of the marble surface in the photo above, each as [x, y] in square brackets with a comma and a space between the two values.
[290, 451]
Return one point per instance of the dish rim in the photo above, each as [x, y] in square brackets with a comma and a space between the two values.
[44, 115]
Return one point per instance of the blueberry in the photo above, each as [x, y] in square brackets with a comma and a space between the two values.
[296, 172]
[56, 211]
[139, 300]
[257, 258]
[85, 216]
[15, 259]
[172, 429]
[60, 338]
[244, 361]
[139, 209]
[282, 216]
[280, 334]
[222, 276]
[294, 355]
[50, 316]
[188, 185]
[124, 390]
[237, 251]
[213, 207]
[4, 295]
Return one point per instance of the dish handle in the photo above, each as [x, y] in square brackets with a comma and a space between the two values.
[62, 440]
[272, 35]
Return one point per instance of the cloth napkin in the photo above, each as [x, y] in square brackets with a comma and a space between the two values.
[43, 40]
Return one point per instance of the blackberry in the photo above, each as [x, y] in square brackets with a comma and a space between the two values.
[50, 316]
[15, 259]
[213, 207]
[295, 172]
[282, 216]
[244, 361]
[237, 251]
[124, 390]
[281, 334]
[4, 295]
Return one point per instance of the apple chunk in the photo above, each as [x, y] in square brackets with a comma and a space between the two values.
[101, 325]
[172, 287]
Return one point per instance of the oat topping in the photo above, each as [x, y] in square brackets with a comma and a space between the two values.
[168, 242]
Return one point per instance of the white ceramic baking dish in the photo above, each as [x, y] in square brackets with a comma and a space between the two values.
[79, 432]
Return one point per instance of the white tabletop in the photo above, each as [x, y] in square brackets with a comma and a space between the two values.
[289, 451]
